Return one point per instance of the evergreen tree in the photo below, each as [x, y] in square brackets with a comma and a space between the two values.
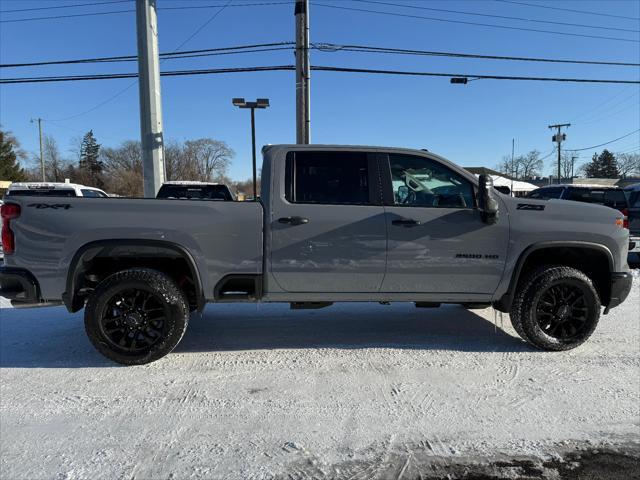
[602, 166]
[9, 151]
[90, 164]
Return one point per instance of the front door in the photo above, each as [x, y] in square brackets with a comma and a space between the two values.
[437, 240]
[328, 230]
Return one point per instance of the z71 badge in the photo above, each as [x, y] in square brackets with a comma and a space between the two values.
[54, 206]
[530, 206]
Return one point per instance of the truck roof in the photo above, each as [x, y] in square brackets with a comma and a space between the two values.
[28, 185]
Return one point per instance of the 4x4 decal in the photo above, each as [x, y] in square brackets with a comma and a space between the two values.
[55, 206]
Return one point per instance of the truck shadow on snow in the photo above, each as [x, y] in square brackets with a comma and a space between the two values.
[346, 326]
[51, 338]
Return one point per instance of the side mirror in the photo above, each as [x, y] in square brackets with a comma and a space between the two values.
[403, 193]
[487, 204]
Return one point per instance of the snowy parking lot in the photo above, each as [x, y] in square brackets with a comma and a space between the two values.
[350, 391]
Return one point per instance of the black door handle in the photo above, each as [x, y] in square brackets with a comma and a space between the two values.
[406, 222]
[293, 220]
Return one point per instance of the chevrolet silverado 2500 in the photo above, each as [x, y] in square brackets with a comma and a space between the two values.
[333, 224]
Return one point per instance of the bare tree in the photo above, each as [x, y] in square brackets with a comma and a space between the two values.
[509, 166]
[212, 157]
[55, 166]
[530, 165]
[568, 167]
[628, 164]
[123, 169]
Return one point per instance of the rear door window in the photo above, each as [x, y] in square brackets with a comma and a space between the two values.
[615, 199]
[330, 178]
[586, 195]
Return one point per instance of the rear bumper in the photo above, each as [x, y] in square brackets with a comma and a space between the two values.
[620, 288]
[21, 287]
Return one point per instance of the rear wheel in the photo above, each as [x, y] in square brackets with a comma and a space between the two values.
[136, 316]
[556, 308]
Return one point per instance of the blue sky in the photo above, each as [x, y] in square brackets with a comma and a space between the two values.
[470, 124]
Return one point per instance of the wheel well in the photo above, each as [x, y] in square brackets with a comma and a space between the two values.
[93, 264]
[593, 262]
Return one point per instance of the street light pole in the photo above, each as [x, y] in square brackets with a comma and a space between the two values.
[259, 103]
[253, 150]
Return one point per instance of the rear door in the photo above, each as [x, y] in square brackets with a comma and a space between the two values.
[328, 224]
[438, 242]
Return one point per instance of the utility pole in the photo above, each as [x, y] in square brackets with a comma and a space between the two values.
[513, 146]
[559, 138]
[573, 159]
[150, 99]
[303, 119]
[41, 154]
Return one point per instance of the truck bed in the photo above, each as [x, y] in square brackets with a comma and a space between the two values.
[223, 238]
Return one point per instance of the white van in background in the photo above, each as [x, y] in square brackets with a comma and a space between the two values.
[53, 189]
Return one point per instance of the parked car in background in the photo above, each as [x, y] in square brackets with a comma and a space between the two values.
[613, 197]
[633, 209]
[192, 190]
[53, 189]
[1, 251]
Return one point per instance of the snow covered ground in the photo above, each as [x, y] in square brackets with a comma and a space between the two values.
[350, 391]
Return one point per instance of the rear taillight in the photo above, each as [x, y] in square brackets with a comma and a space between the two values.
[625, 220]
[8, 211]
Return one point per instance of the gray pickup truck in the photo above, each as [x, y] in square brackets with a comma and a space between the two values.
[334, 224]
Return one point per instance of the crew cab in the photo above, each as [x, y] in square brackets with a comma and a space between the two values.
[333, 224]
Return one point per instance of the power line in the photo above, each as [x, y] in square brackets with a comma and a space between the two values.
[402, 51]
[553, 150]
[468, 75]
[611, 110]
[504, 17]
[323, 47]
[128, 87]
[196, 7]
[199, 29]
[57, 17]
[463, 22]
[64, 6]
[111, 76]
[602, 144]
[568, 10]
[600, 104]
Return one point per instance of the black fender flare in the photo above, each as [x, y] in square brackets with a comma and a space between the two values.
[92, 249]
[504, 303]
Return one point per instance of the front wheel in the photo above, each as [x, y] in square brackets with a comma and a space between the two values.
[556, 308]
[136, 316]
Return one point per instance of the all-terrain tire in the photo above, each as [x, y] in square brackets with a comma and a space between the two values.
[533, 323]
[158, 330]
